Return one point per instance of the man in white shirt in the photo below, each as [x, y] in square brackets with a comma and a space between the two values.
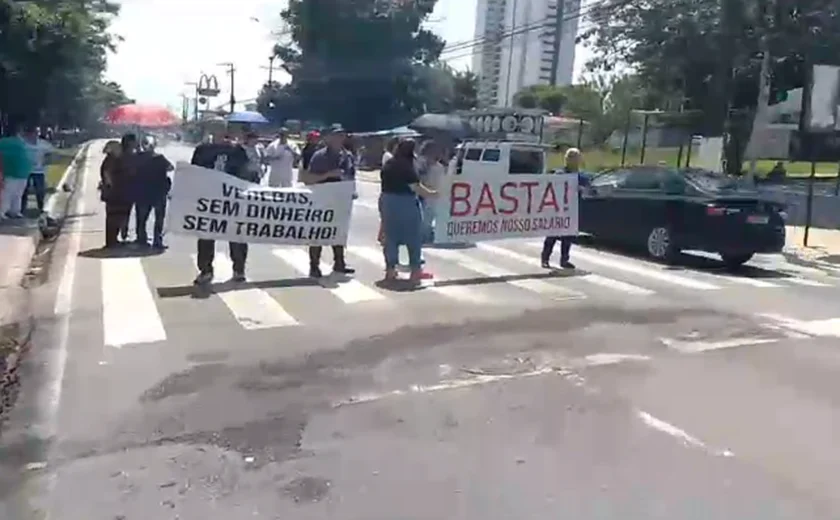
[281, 156]
[39, 153]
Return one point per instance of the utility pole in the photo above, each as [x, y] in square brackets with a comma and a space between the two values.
[728, 17]
[231, 69]
[761, 120]
[270, 70]
[194, 85]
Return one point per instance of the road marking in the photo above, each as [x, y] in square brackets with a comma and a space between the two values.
[744, 280]
[806, 282]
[537, 286]
[348, 291]
[594, 279]
[253, 308]
[456, 292]
[694, 347]
[824, 328]
[639, 270]
[129, 311]
[365, 204]
[677, 433]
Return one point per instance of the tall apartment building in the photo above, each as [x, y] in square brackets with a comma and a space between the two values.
[522, 43]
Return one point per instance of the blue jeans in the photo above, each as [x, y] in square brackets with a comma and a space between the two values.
[428, 221]
[402, 222]
[37, 183]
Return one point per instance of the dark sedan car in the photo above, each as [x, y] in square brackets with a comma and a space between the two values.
[669, 210]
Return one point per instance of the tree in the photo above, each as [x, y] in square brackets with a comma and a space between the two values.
[686, 51]
[365, 63]
[52, 56]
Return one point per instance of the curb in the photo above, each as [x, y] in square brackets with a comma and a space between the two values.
[17, 322]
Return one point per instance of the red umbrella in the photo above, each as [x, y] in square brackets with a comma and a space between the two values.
[141, 115]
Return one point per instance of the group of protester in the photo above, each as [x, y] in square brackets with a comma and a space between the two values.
[137, 176]
[24, 156]
[134, 176]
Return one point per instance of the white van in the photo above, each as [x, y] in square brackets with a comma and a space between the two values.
[498, 158]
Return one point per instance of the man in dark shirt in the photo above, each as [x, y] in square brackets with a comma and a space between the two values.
[573, 161]
[231, 158]
[313, 142]
[325, 166]
[152, 187]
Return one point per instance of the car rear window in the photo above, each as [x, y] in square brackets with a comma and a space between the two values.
[708, 180]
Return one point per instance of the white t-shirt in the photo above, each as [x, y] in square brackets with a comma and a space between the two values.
[281, 157]
[38, 153]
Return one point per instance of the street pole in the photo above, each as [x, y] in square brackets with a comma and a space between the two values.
[231, 69]
[760, 120]
[270, 70]
[194, 85]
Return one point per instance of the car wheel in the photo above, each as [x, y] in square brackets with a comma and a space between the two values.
[660, 244]
[735, 261]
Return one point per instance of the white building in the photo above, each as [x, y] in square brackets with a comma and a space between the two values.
[520, 43]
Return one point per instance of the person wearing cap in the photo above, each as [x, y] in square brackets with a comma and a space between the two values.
[256, 156]
[313, 142]
[231, 158]
[327, 165]
[281, 156]
[153, 185]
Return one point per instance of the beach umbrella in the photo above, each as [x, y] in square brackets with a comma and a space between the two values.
[435, 124]
[247, 117]
[146, 116]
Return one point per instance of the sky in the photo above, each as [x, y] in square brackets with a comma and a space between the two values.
[167, 43]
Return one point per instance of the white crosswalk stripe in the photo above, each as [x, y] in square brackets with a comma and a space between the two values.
[489, 275]
[253, 308]
[594, 279]
[537, 286]
[129, 313]
[456, 292]
[639, 270]
[348, 291]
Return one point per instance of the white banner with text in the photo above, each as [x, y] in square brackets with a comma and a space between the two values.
[473, 209]
[213, 205]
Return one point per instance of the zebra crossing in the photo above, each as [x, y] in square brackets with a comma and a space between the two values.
[278, 293]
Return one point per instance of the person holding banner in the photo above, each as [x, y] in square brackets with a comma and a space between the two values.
[572, 160]
[232, 159]
[328, 165]
[401, 213]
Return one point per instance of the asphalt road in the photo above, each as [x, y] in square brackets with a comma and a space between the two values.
[623, 390]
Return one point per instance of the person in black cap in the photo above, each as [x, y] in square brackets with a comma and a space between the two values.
[231, 158]
[325, 166]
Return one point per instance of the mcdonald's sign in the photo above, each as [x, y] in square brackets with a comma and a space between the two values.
[208, 86]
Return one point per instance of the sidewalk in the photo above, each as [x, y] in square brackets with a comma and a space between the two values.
[19, 242]
[823, 247]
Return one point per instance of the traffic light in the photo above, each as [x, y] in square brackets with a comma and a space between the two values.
[777, 96]
[787, 74]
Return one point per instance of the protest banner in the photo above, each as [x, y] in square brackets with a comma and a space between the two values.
[473, 209]
[213, 205]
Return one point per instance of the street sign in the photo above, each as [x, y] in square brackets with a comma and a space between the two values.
[208, 86]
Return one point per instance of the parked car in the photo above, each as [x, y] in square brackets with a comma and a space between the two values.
[669, 210]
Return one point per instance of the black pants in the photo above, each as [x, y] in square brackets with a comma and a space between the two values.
[315, 256]
[116, 217]
[124, 229]
[548, 248]
[141, 216]
[207, 252]
[37, 183]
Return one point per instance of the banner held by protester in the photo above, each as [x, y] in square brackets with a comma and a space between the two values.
[212, 205]
[473, 209]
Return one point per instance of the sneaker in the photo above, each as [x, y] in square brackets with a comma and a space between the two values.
[545, 264]
[565, 264]
[203, 279]
[315, 272]
[158, 245]
[238, 276]
[343, 269]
